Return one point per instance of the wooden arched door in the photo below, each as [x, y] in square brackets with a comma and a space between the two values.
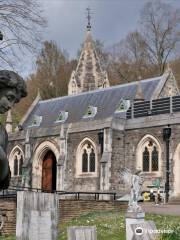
[49, 172]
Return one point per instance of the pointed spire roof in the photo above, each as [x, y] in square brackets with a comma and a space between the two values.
[89, 74]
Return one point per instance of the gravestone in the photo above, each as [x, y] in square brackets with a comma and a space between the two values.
[145, 231]
[82, 233]
[131, 219]
[37, 216]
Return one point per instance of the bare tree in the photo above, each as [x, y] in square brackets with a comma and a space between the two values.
[20, 23]
[129, 59]
[160, 24]
[53, 71]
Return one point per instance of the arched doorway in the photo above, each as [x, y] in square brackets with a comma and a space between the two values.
[49, 172]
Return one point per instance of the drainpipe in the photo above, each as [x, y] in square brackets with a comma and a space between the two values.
[166, 138]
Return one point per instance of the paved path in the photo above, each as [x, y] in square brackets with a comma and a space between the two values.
[165, 209]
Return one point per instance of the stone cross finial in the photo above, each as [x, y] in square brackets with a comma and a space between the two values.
[89, 18]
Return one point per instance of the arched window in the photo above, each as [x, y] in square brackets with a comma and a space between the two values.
[146, 160]
[148, 155]
[86, 162]
[16, 159]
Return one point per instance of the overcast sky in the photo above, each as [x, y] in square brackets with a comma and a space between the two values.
[111, 21]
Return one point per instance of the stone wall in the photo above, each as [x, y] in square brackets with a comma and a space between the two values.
[8, 209]
[124, 153]
[73, 183]
[68, 209]
[117, 161]
[74, 208]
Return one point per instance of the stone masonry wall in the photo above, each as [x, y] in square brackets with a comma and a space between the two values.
[80, 184]
[68, 209]
[8, 209]
[124, 152]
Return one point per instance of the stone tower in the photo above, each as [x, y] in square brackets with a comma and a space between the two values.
[88, 74]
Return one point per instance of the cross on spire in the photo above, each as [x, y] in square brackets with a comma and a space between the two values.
[89, 18]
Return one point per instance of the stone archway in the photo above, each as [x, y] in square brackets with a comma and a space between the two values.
[41, 153]
[176, 171]
[49, 172]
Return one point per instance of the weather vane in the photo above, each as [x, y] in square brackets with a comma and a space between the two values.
[89, 18]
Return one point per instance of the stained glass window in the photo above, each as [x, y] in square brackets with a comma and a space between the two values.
[146, 160]
[154, 159]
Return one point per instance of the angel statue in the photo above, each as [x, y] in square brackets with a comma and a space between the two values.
[135, 182]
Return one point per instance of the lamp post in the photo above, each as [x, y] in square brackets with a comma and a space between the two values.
[166, 138]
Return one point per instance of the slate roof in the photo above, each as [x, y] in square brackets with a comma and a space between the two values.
[106, 100]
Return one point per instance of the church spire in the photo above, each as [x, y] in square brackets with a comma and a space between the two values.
[89, 74]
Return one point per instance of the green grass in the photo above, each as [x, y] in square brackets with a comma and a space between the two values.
[8, 238]
[111, 226]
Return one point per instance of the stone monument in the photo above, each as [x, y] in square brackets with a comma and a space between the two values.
[37, 216]
[82, 233]
[12, 89]
[136, 226]
[134, 214]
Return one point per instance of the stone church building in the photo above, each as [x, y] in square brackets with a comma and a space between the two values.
[81, 141]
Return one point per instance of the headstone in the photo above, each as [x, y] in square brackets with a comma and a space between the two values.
[133, 218]
[37, 216]
[144, 231]
[82, 233]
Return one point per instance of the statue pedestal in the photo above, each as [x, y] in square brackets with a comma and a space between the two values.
[133, 218]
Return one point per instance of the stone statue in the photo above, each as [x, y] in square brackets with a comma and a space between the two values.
[135, 182]
[12, 89]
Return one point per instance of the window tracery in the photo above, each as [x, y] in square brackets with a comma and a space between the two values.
[150, 157]
[86, 159]
[16, 162]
